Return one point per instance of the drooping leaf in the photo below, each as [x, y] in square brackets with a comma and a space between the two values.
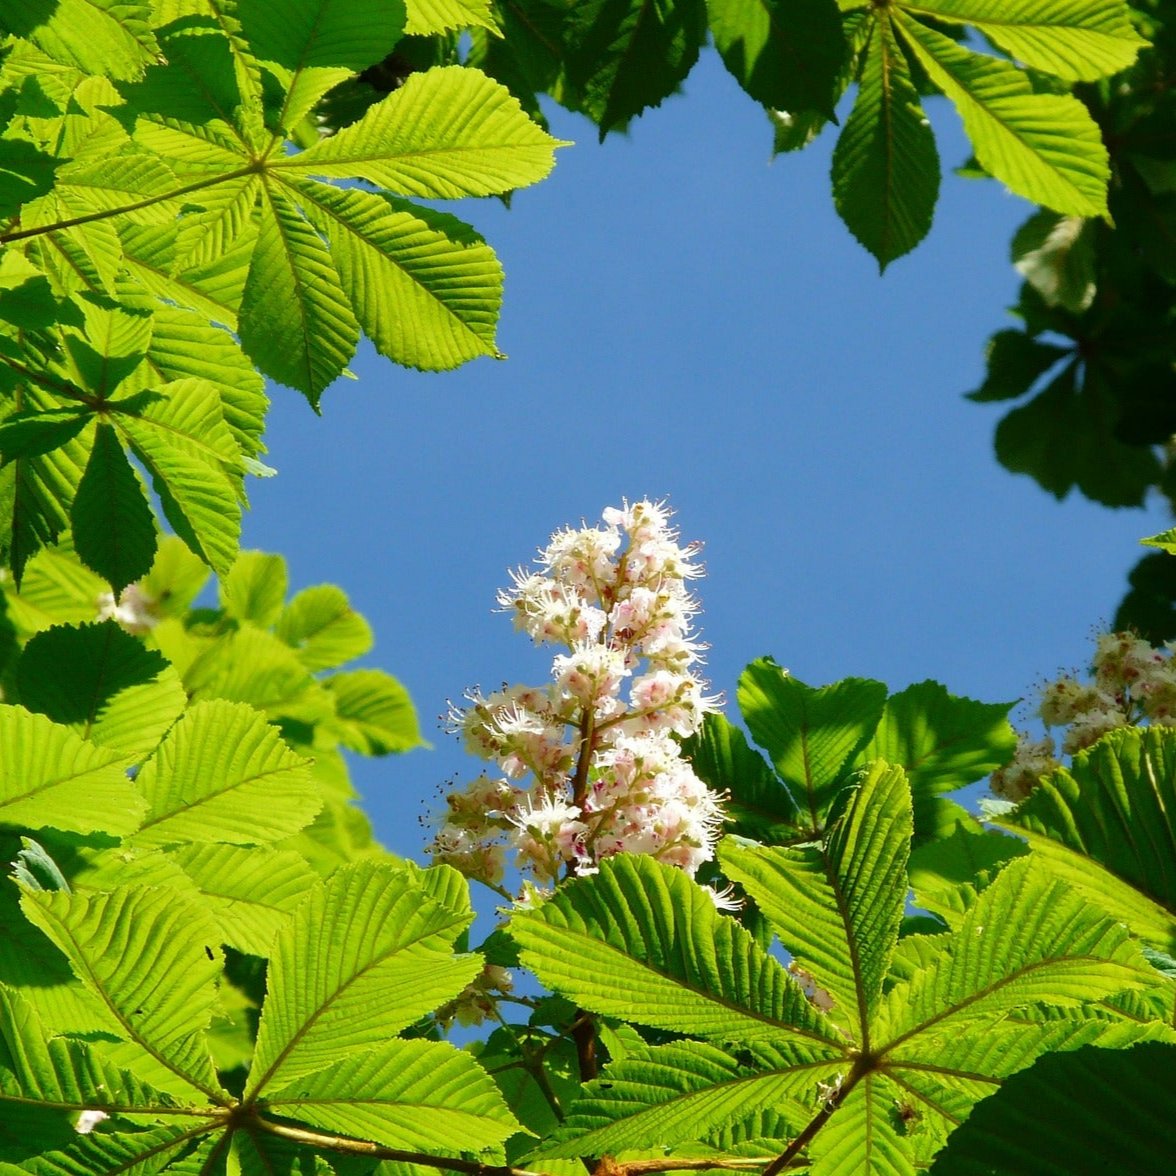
[837, 906]
[319, 43]
[49, 778]
[224, 774]
[1015, 362]
[295, 321]
[119, 944]
[786, 55]
[103, 683]
[623, 56]
[181, 437]
[1064, 437]
[812, 735]
[364, 955]
[640, 940]
[1056, 256]
[1078, 41]
[415, 1095]
[885, 165]
[1045, 147]
[112, 523]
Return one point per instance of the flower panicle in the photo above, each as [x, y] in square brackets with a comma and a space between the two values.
[596, 744]
[1131, 684]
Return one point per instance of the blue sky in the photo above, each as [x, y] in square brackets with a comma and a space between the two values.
[686, 319]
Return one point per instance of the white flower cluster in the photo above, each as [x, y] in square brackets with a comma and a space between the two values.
[597, 743]
[134, 610]
[1132, 683]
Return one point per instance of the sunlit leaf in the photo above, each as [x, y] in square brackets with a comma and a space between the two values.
[364, 955]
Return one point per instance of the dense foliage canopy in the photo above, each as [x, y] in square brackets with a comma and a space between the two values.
[210, 965]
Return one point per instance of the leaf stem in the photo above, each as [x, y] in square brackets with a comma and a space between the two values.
[360, 1147]
[785, 1158]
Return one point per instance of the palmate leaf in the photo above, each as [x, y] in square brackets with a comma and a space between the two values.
[120, 943]
[1043, 943]
[664, 1096]
[295, 321]
[623, 56]
[103, 683]
[885, 165]
[368, 952]
[50, 778]
[223, 774]
[641, 941]
[812, 735]
[1072, 39]
[837, 906]
[1116, 804]
[414, 1095]
[934, 1022]
[1045, 147]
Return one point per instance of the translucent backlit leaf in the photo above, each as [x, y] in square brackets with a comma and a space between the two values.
[224, 774]
[1073, 39]
[812, 735]
[50, 778]
[483, 145]
[1045, 147]
[366, 954]
[641, 941]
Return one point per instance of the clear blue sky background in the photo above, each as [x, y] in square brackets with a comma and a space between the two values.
[687, 319]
